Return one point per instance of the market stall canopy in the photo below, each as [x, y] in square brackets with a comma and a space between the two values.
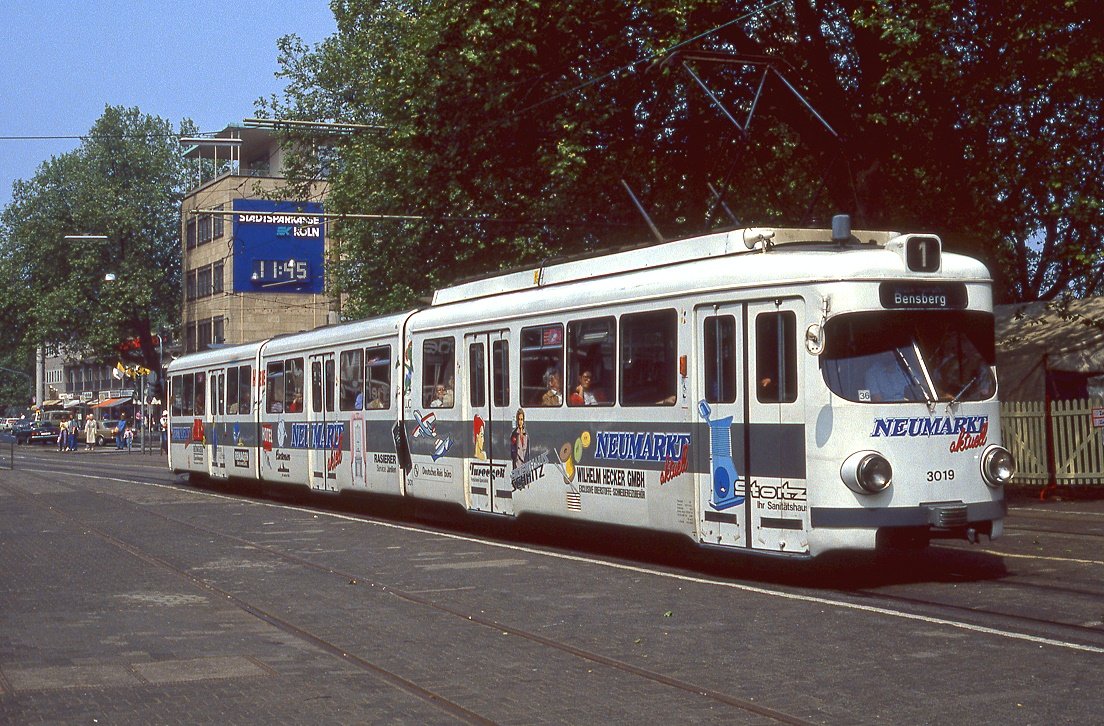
[1055, 344]
[110, 402]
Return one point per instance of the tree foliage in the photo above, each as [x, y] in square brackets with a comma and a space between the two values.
[124, 182]
[510, 130]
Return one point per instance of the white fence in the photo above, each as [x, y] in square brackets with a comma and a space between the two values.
[1078, 445]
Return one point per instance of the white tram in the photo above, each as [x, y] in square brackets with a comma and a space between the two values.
[773, 390]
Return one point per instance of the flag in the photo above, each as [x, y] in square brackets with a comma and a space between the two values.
[118, 371]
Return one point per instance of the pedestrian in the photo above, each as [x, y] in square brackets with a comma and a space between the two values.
[89, 432]
[63, 426]
[128, 438]
[120, 431]
[71, 433]
[164, 432]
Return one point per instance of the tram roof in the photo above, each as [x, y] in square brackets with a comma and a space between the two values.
[720, 244]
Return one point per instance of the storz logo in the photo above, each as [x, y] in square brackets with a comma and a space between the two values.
[241, 458]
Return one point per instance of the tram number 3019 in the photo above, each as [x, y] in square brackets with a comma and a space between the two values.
[941, 475]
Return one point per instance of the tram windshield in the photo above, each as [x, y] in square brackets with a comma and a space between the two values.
[896, 357]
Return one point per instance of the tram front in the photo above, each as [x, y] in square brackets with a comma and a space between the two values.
[910, 434]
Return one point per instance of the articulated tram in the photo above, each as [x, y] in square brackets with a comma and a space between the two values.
[783, 391]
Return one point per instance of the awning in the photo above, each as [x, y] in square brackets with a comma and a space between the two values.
[72, 403]
[109, 402]
[52, 402]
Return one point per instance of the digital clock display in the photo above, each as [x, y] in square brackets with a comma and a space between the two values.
[280, 272]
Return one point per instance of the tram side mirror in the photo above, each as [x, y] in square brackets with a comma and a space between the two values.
[814, 339]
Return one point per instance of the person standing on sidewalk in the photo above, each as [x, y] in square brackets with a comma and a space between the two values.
[120, 431]
[164, 432]
[89, 432]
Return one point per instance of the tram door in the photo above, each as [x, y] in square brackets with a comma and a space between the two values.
[216, 424]
[325, 436]
[722, 361]
[777, 504]
[486, 403]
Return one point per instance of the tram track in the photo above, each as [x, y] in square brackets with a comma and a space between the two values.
[1090, 636]
[395, 679]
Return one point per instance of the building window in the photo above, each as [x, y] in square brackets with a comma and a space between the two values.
[204, 229]
[203, 282]
[203, 334]
[191, 233]
[218, 326]
[190, 338]
[216, 277]
[190, 287]
[219, 223]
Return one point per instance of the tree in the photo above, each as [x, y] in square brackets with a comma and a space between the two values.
[510, 130]
[124, 182]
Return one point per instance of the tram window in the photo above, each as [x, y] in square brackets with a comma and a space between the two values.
[232, 390]
[218, 394]
[185, 392]
[379, 377]
[316, 386]
[591, 347]
[200, 393]
[649, 358]
[352, 380]
[720, 358]
[331, 383]
[245, 380]
[776, 357]
[477, 376]
[293, 384]
[274, 399]
[501, 372]
[177, 383]
[438, 377]
[542, 365]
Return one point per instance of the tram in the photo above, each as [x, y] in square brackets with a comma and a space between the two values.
[782, 391]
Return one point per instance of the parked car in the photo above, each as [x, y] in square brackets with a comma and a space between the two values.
[105, 431]
[35, 432]
[21, 430]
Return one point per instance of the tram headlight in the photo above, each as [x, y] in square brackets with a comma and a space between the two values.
[997, 466]
[867, 472]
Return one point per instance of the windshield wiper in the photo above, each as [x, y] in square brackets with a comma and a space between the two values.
[904, 364]
[967, 387]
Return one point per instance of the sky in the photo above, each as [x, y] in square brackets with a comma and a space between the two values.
[63, 61]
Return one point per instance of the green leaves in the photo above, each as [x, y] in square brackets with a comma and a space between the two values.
[124, 182]
[510, 128]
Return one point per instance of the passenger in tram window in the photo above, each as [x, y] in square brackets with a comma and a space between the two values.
[553, 396]
[377, 401]
[296, 405]
[358, 404]
[768, 389]
[584, 394]
[443, 397]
